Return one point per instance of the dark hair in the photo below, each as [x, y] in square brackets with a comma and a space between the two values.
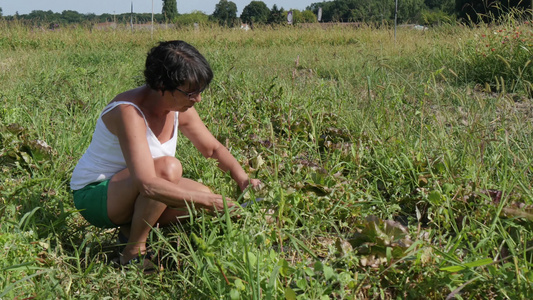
[174, 63]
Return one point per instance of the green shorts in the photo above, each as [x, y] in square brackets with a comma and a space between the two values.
[91, 201]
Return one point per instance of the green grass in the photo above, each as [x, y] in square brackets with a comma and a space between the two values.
[391, 170]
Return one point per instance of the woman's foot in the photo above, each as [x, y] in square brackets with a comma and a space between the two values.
[143, 262]
[132, 251]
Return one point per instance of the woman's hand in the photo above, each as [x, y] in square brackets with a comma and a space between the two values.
[254, 183]
[218, 203]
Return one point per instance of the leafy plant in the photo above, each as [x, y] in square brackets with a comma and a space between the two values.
[500, 58]
[388, 175]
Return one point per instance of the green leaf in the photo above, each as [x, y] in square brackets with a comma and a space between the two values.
[479, 263]
[434, 197]
[448, 188]
[529, 276]
[328, 272]
[239, 284]
[309, 271]
[388, 251]
[234, 294]
[289, 294]
[22, 266]
[252, 259]
[273, 276]
[285, 269]
[453, 269]
[318, 266]
[301, 283]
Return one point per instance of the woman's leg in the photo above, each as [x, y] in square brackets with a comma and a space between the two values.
[126, 205]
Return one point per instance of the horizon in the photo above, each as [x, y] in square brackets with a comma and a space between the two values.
[99, 7]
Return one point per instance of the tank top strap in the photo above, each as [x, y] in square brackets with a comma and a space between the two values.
[112, 105]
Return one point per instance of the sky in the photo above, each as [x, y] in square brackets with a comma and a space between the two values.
[98, 7]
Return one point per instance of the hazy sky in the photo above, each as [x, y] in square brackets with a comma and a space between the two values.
[9, 7]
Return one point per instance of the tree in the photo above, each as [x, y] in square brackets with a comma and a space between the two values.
[255, 12]
[276, 15]
[367, 10]
[0, 11]
[409, 10]
[170, 10]
[195, 17]
[309, 17]
[71, 16]
[298, 17]
[225, 13]
[438, 12]
[440, 4]
[488, 10]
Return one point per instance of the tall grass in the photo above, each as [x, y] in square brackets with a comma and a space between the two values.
[391, 171]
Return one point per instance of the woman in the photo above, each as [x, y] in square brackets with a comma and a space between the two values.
[129, 176]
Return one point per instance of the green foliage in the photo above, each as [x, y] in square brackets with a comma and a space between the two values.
[276, 15]
[170, 10]
[389, 174]
[488, 10]
[71, 16]
[49, 19]
[255, 12]
[355, 11]
[446, 6]
[308, 16]
[500, 58]
[409, 10]
[298, 17]
[20, 151]
[225, 13]
[195, 17]
[436, 17]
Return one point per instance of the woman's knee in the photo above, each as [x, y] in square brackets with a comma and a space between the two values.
[168, 168]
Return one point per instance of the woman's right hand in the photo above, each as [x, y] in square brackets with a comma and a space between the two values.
[218, 203]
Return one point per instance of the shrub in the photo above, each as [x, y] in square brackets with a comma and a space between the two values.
[500, 57]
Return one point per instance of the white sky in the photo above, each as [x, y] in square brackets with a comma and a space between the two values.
[10, 7]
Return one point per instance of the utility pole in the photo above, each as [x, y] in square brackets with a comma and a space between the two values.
[131, 18]
[396, 19]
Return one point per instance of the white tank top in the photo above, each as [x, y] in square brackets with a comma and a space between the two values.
[104, 157]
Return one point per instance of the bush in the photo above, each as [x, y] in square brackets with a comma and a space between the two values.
[501, 58]
[436, 17]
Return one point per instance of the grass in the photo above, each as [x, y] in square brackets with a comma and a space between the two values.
[391, 170]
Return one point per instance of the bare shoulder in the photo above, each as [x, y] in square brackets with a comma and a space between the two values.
[122, 116]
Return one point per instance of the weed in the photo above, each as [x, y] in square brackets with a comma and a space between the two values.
[391, 170]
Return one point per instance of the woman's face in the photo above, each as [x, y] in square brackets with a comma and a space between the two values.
[186, 99]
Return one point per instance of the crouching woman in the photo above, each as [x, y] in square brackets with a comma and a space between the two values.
[129, 176]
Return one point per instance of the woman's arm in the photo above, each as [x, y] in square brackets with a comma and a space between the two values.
[126, 122]
[195, 130]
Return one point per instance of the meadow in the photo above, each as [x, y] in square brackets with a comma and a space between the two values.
[395, 167]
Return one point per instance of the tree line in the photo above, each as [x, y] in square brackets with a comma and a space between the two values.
[425, 12]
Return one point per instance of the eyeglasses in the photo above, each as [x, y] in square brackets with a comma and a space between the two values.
[191, 95]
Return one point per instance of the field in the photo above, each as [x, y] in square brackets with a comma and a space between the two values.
[396, 167]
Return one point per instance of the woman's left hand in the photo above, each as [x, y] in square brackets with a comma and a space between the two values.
[255, 184]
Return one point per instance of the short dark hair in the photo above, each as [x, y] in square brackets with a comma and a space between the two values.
[174, 63]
